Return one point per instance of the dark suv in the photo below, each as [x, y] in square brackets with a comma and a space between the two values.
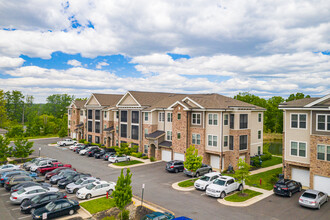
[286, 187]
[175, 166]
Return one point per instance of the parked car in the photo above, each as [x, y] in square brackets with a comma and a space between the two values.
[222, 186]
[84, 151]
[15, 180]
[29, 192]
[107, 155]
[99, 154]
[28, 184]
[96, 188]
[28, 166]
[62, 175]
[182, 218]
[56, 209]
[42, 163]
[82, 182]
[66, 142]
[199, 172]
[29, 163]
[76, 145]
[158, 216]
[9, 167]
[51, 167]
[41, 200]
[174, 166]
[78, 149]
[117, 158]
[7, 175]
[286, 187]
[313, 199]
[91, 152]
[57, 171]
[64, 182]
[206, 180]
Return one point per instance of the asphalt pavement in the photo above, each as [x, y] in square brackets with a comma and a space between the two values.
[194, 204]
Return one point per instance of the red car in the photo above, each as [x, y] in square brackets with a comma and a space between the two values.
[53, 166]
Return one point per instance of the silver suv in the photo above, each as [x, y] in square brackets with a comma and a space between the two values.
[199, 172]
[82, 182]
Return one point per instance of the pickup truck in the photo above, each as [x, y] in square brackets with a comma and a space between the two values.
[66, 142]
[223, 186]
[53, 166]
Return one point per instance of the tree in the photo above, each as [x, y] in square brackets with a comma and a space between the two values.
[296, 96]
[273, 115]
[193, 161]
[5, 149]
[62, 133]
[252, 99]
[123, 149]
[242, 173]
[23, 148]
[3, 112]
[123, 190]
[81, 99]
[57, 104]
[14, 105]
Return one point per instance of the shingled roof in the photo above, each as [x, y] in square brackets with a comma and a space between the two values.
[107, 99]
[320, 102]
[79, 103]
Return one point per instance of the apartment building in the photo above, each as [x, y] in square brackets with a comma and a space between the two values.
[76, 114]
[306, 142]
[164, 125]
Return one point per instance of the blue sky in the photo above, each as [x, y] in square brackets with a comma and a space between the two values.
[79, 47]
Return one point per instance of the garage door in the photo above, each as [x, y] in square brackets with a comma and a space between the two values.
[166, 155]
[178, 156]
[301, 175]
[215, 162]
[322, 183]
[74, 135]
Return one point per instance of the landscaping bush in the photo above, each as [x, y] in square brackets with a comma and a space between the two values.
[74, 139]
[266, 156]
[139, 154]
[255, 161]
[145, 157]
[152, 159]
[274, 178]
[82, 141]
[124, 215]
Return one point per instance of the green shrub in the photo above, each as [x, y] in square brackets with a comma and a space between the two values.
[152, 159]
[82, 141]
[256, 161]
[86, 143]
[139, 154]
[74, 139]
[134, 154]
[145, 157]
[273, 179]
[124, 215]
[266, 156]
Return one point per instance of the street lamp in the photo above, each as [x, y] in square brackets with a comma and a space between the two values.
[142, 194]
[39, 151]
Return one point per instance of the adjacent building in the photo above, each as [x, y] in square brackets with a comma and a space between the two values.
[164, 125]
[306, 142]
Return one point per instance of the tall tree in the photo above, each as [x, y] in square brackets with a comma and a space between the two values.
[252, 99]
[123, 190]
[5, 149]
[3, 112]
[296, 96]
[14, 105]
[273, 115]
[57, 104]
[22, 147]
[193, 161]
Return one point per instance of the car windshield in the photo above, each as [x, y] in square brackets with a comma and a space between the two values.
[36, 199]
[78, 181]
[309, 195]
[219, 182]
[205, 178]
[19, 192]
[90, 186]
[50, 206]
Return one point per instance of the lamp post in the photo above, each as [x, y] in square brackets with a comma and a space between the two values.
[39, 151]
[142, 194]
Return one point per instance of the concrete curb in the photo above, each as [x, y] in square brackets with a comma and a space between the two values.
[134, 165]
[265, 194]
[184, 189]
[149, 205]
[52, 145]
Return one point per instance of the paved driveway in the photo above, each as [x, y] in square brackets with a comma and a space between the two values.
[194, 204]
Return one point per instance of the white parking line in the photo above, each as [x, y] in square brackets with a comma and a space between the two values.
[8, 201]
[6, 194]
[16, 208]
[203, 194]
[28, 216]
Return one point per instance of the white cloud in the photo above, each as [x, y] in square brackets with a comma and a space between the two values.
[9, 62]
[74, 63]
[101, 64]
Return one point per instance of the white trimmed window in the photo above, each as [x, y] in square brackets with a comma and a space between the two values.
[169, 117]
[212, 140]
[298, 120]
[161, 116]
[259, 117]
[259, 134]
[323, 152]
[169, 135]
[323, 122]
[196, 118]
[146, 116]
[196, 139]
[225, 119]
[213, 119]
[146, 132]
[146, 149]
[298, 149]
[225, 141]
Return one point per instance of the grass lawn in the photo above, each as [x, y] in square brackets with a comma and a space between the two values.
[271, 162]
[127, 163]
[187, 183]
[237, 198]
[266, 177]
[37, 137]
[98, 205]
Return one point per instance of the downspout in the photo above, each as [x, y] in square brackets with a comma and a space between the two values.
[221, 144]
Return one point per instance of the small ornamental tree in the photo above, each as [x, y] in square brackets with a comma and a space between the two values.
[22, 147]
[123, 149]
[62, 133]
[5, 149]
[123, 190]
[193, 161]
[242, 173]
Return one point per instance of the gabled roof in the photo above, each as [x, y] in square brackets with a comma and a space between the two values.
[148, 98]
[155, 134]
[319, 102]
[79, 103]
[106, 99]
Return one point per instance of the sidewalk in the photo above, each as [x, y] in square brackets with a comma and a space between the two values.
[261, 170]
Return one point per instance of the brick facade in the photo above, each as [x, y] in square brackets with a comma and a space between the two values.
[179, 126]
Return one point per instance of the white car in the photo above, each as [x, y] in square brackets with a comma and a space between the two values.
[222, 186]
[9, 167]
[42, 163]
[206, 180]
[97, 188]
[75, 145]
[66, 142]
[82, 182]
[84, 151]
[29, 192]
[116, 158]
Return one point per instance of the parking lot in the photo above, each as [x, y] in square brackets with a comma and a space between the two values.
[159, 191]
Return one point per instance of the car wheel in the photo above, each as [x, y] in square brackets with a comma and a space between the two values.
[290, 194]
[222, 195]
[64, 145]
[75, 191]
[128, 159]
[319, 206]
[88, 196]
[197, 174]
[299, 189]
[209, 171]
[116, 161]
[240, 187]
[24, 200]
[176, 170]
[110, 192]
[71, 212]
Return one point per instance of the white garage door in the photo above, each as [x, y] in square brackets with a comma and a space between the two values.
[215, 162]
[301, 175]
[322, 183]
[166, 155]
[74, 135]
[178, 156]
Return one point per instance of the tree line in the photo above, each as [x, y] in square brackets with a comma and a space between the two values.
[273, 117]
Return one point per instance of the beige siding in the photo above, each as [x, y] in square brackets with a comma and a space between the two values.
[213, 130]
[168, 125]
[255, 126]
[128, 101]
[296, 134]
[92, 101]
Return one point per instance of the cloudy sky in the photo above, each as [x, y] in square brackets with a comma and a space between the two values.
[78, 47]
